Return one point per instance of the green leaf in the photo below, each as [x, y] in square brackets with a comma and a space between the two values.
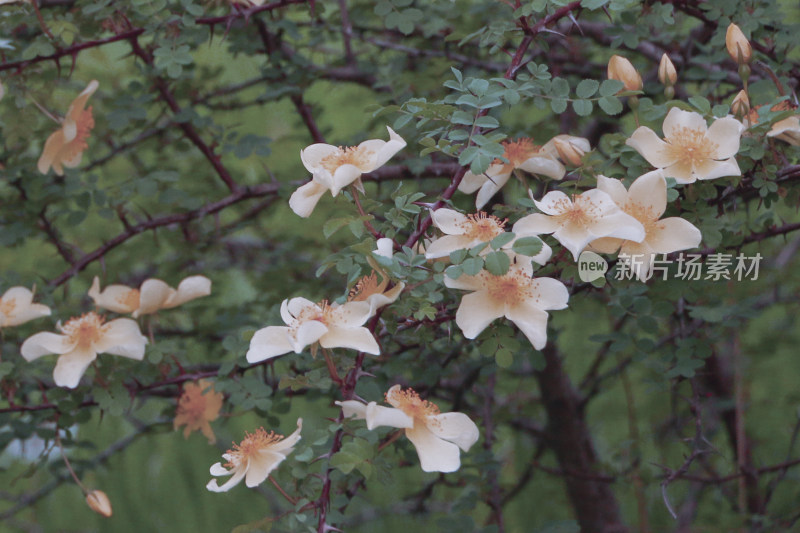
[501, 240]
[458, 256]
[528, 246]
[558, 105]
[701, 103]
[497, 263]
[587, 88]
[559, 87]
[487, 122]
[593, 4]
[333, 225]
[611, 87]
[504, 357]
[582, 107]
[472, 266]
[611, 105]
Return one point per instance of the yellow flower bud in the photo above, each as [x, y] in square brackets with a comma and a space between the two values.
[666, 71]
[569, 152]
[738, 45]
[99, 502]
[740, 105]
[621, 69]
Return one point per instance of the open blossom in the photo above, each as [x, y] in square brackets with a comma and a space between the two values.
[198, 405]
[254, 458]
[17, 307]
[515, 295]
[64, 147]
[691, 150]
[332, 325]
[577, 221]
[81, 339]
[465, 231]
[436, 436]
[334, 167]
[150, 297]
[646, 201]
[522, 154]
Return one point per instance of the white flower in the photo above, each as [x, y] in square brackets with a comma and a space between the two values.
[384, 247]
[334, 167]
[332, 325]
[17, 307]
[436, 436]
[258, 454]
[515, 295]
[646, 201]
[787, 130]
[81, 339]
[152, 296]
[691, 150]
[578, 221]
[466, 231]
[522, 154]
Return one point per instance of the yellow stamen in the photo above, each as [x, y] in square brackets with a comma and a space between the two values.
[517, 152]
[483, 227]
[690, 147]
[130, 299]
[84, 330]
[366, 287]
[410, 403]
[251, 445]
[348, 155]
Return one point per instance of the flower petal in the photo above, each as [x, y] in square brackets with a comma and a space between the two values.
[305, 198]
[649, 192]
[682, 172]
[122, 337]
[218, 470]
[574, 237]
[286, 445]
[677, 120]
[654, 150]
[45, 343]
[295, 307]
[445, 245]
[308, 333]
[349, 314]
[544, 166]
[435, 454]
[238, 474]
[553, 203]
[457, 428]
[472, 182]
[269, 342]
[117, 298]
[153, 294]
[711, 169]
[535, 224]
[726, 133]
[477, 310]
[189, 289]
[260, 466]
[23, 308]
[360, 339]
[532, 321]
[490, 188]
[551, 294]
[344, 176]
[449, 221]
[378, 415]
[673, 234]
[52, 147]
[71, 367]
[313, 155]
[464, 282]
[605, 245]
[77, 106]
[353, 409]
[614, 188]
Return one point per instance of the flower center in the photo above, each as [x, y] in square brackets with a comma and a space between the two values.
[578, 211]
[84, 125]
[130, 299]
[643, 214]
[7, 306]
[84, 330]
[690, 147]
[517, 152]
[250, 446]
[348, 155]
[512, 288]
[366, 287]
[411, 404]
[483, 227]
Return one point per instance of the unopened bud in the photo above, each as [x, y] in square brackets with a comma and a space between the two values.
[740, 105]
[666, 71]
[621, 69]
[99, 502]
[569, 152]
[737, 44]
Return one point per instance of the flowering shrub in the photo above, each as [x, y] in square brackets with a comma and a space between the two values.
[566, 264]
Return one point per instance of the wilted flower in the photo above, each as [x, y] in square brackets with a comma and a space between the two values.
[369, 289]
[64, 148]
[81, 339]
[737, 44]
[788, 129]
[621, 69]
[334, 167]
[152, 296]
[17, 307]
[578, 221]
[99, 502]
[691, 150]
[646, 201]
[521, 154]
[666, 71]
[198, 405]
[465, 231]
[515, 295]
[436, 436]
[571, 150]
[332, 325]
[258, 454]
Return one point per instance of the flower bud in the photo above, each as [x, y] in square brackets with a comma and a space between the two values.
[99, 502]
[621, 69]
[740, 106]
[738, 45]
[666, 71]
[569, 152]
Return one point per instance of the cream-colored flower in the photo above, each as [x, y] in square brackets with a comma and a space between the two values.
[737, 44]
[515, 295]
[787, 130]
[577, 221]
[520, 154]
[258, 454]
[332, 325]
[64, 147]
[369, 289]
[465, 231]
[646, 201]
[691, 150]
[334, 167]
[198, 405]
[623, 70]
[150, 297]
[570, 150]
[666, 71]
[17, 307]
[81, 339]
[436, 436]
[99, 503]
[740, 106]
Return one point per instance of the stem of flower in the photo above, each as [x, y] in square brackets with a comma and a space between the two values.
[283, 492]
[66, 462]
[332, 368]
